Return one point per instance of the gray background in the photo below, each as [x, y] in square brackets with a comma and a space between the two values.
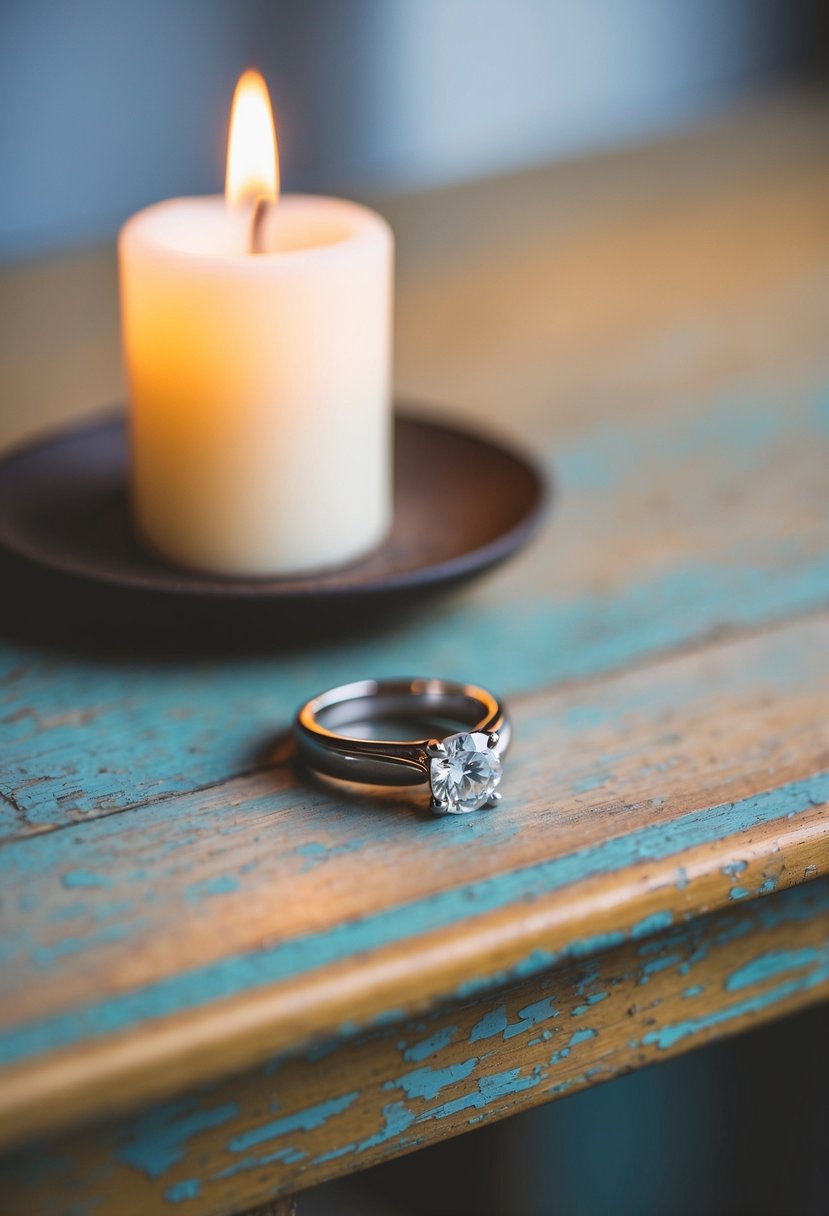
[107, 105]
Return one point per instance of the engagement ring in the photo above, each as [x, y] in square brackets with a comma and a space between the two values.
[337, 734]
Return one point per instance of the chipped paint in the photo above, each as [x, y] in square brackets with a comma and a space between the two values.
[301, 1120]
[658, 964]
[234, 974]
[143, 729]
[428, 1082]
[427, 1047]
[397, 1118]
[495, 1022]
[218, 884]
[158, 1144]
[84, 878]
[159, 1137]
[45, 956]
[189, 1188]
[490, 1089]
[654, 923]
[594, 999]
[770, 965]
[666, 1037]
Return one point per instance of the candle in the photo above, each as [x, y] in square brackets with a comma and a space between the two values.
[257, 335]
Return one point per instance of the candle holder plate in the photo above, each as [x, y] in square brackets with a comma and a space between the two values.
[463, 503]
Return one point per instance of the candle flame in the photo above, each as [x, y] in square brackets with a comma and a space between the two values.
[252, 162]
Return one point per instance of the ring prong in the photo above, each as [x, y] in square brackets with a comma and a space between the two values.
[494, 739]
[494, 798]
[438, 808]
[435, 748]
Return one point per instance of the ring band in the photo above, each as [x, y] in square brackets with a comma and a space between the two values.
[461, 767]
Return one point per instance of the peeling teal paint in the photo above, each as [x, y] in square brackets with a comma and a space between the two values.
[584, 717]
[768, 966]
[655, 923]
[658, 964]
[233, 975]
[544, 1037]
[388, 1017]
[142, 729]
[490, 1089]
[578, 1036]
[84, 878]
[313, 848]
[428, 1082]
[734, 868]
[314, 1054]
[219, 884]
[694, 990]
[285, 1156]
[291, 1155]
[535, 961]
[427, 1047]
[45, 956]
[157, 1141]
[179, 1191]
[159, 1137]
[583, 947]
[493, 1022]
[746, 434]
[397, 1118]
[589, 975]
[593, 999]
[531, 1015]
[302, 1120]
[738, 893]
[106, 909]
[731, 930]
[667, 1037]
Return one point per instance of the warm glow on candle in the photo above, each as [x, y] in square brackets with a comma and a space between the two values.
[252, 163]
[257, 336]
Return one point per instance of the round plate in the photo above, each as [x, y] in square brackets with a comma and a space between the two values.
[462, 504]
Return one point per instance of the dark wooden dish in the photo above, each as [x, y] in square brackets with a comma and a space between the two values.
[462, 504]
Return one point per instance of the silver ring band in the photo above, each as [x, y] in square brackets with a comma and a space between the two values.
[462, 767]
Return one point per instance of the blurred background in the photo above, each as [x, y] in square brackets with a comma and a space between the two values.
[593, 123]
[106, 106]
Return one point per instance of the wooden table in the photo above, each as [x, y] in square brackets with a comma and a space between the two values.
[221, 984]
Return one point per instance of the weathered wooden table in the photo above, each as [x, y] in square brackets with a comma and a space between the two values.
[221, 985]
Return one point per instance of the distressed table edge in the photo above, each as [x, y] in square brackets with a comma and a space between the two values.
[467, 959]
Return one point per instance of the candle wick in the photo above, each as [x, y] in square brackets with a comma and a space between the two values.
[257, 220]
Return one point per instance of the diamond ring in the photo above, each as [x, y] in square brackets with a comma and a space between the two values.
[337, 734]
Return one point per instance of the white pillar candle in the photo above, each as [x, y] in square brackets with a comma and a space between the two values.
[259, 384]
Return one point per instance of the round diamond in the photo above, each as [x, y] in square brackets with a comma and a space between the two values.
[467, 775]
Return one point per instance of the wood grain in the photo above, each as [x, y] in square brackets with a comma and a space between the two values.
[662, 792]
[339, 1108]
[665, 532]
[179, 911]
